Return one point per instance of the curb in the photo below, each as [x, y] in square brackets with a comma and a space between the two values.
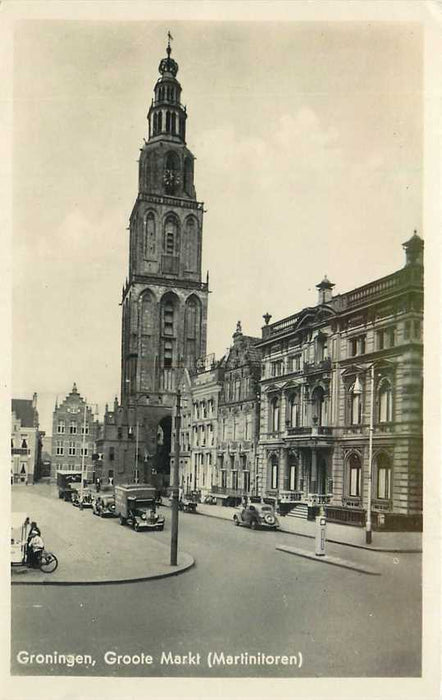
[397, 550]
[47, 582]
[333, 561]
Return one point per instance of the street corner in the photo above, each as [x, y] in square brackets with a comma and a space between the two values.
[87, 576]
[327, 559]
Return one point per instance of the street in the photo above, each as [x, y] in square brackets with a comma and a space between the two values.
[241, 597]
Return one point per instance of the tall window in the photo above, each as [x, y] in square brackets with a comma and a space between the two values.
[192, 325]
[294, 412]
[274, 473]
[171, 239]
[149, 236]
[385, 402]
[274, 414]
[60, 426]
[168, 318]
[191, 243]
[356, 403]
[355, 473]
[318, 405]
[293, 472]
[73, 428]
[383, 482]
[188, 176]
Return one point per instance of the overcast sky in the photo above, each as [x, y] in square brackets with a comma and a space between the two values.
[308, 139]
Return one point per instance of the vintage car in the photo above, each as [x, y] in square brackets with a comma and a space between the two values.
[104, 506]
[141, 517]
[257, 515]
[81, 501]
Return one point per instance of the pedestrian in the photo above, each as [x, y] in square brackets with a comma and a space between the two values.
[98, 485]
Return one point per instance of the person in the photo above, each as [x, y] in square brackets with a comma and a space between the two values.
[35, 545]
[97, 485]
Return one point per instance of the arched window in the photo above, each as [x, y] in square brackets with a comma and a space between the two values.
[274, 473]
[160, 121]
[294, 410]
[383, 476]
[354, 475]
[155, 123]
[149, 237]
[385, 402]
[274, 414]
[173, 122]
[167, 121]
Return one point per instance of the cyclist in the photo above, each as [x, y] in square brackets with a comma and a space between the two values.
[35, 546]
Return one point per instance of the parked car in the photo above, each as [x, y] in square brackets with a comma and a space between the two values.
[104, 506]
[257, 515]
[84, 501]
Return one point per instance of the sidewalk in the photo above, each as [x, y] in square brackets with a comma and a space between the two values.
[91, 550]
[338, 534]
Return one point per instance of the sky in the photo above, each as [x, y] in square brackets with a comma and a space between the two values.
[308, 140]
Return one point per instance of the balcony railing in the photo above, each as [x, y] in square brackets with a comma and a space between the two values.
[311, 499]
[311, 430]
[321, 366]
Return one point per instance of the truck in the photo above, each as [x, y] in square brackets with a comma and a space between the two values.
[68, 482]
[135, 506]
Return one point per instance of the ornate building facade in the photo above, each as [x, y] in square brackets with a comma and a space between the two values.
[164, 300]
[238, 420]
[333, 373]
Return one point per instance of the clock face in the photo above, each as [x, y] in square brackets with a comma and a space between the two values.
[171, 178]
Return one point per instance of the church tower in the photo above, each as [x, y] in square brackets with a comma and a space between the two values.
[164, 301]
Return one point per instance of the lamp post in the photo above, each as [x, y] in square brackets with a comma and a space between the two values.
[368, 531]
[357, 390]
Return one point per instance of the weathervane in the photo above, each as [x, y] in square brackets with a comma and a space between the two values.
[169, 39]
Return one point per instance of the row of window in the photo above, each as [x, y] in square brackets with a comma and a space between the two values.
[385, 338]
[167, 92]
[203, 409]
[354, 412]
[72, 450]
[382, 474]
[169, 121]
[235, 480]
[73, 428]
[203, 433]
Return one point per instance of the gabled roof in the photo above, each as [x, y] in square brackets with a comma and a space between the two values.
[25, 412]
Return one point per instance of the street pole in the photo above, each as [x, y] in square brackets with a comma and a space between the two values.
[136, 451]
[175, 484]
[368, 532]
